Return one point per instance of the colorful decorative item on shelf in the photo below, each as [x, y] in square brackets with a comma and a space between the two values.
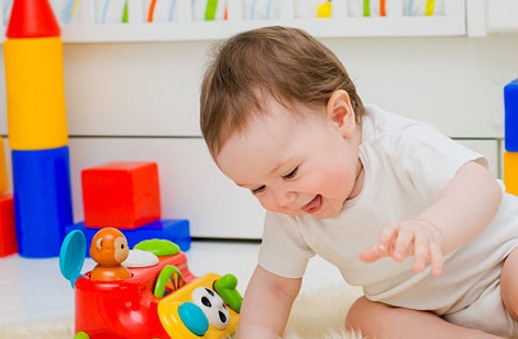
[424, 7]
[159, 300]
[209, 10]
[375, 8]
[305, 9]
[260, 9]
[111, 11]
[161, 10]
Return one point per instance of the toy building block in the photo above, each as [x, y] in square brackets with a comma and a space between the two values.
[42, 200]
[3, 168]
[511, 116]
[124, 195]
[33, 58]
[32, 19]
[175, 230]
[511, 172]
[7, 228]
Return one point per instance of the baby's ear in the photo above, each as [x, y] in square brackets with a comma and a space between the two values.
[341, 112]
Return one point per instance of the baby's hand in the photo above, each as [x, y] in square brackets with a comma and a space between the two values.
[406, 238]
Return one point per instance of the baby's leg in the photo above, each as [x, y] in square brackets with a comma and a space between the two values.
[377, 320]
[509, 284]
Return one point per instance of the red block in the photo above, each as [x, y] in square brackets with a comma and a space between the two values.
[8, 244]
[125, 195]
[32, 19]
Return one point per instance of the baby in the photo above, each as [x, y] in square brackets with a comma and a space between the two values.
[400, 209]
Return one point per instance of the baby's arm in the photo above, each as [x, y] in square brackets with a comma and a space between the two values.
[466, 206]
[266, 305]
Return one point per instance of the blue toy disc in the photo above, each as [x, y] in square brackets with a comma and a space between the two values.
[72, 256]
[193, 318]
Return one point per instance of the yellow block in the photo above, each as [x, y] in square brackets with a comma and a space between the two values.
[3, 168]
[36, 113]
[511, 172]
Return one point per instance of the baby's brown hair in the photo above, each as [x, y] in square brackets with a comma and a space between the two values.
[285, 63]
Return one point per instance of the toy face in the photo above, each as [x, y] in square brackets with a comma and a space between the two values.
[196, 310]
[109, 247]
[213, 306]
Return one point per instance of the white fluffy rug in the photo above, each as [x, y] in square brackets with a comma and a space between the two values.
[315, 315]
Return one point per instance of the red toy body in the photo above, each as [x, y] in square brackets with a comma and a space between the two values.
[114, 309]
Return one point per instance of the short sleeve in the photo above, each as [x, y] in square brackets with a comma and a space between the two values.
[283, 250]
[428, 160]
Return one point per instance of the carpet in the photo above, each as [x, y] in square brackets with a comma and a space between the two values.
[318, 314]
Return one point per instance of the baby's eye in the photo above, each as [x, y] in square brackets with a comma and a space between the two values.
[258, 190]
[292, 174]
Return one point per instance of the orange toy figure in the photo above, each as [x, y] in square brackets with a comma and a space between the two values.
[109, 249]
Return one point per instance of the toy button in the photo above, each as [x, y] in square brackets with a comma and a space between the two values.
[193, 318]
[159, 247]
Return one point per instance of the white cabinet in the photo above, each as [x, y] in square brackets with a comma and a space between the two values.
[502, 16]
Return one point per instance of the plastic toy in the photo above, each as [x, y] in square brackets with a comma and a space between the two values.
[3, 168]
[37, 128]
[511, 116]
[162, 300]
[7, 229]
[125, 195]
[34, 73]
[511, 137]
[511, 172]
[109, 249]
[42, 200]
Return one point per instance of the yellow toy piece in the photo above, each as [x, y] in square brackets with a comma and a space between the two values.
[182, 318]
[511, 172]
[36, 112]
[3, 168]
[325, 10]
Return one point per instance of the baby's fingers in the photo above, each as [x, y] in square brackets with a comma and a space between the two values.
[387, 237]
[421, 253]
[372, 254]
[404, 244]
[436, 259]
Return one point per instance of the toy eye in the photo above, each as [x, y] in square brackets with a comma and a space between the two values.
[206, 302]
[99, 244]
[213, 306]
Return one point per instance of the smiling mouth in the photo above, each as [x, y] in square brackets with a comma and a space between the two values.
[314, 205]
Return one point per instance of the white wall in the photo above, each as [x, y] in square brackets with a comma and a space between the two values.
[139, 101]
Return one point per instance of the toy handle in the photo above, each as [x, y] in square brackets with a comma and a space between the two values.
[171, 274]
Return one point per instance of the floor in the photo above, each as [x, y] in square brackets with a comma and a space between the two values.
[34, 290]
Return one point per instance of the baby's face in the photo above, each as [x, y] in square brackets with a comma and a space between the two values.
[295, 166]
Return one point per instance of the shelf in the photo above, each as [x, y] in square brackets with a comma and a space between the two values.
[192, 31]
[85, 28]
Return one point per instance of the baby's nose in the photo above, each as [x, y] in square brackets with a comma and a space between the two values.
[287, 198]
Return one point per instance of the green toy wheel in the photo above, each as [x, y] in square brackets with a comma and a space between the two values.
[169, 280]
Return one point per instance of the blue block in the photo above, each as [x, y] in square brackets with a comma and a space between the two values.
[175, 230]
[511, 116]
[42, 200]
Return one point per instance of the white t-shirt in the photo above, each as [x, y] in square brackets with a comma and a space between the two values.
[407, 164]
